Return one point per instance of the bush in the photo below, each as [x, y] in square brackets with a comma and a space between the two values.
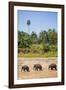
[36, 48]
[53, 48]
[23, 50]
[45, 48]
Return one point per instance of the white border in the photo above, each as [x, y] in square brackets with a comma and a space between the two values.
[45, 80]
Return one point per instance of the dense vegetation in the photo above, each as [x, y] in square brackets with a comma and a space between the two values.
[33, 45]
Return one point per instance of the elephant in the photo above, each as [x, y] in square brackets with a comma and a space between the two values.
[25, 68]
[37, 67]
[52, 66]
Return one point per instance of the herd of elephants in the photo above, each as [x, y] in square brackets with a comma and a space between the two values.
[38, 67]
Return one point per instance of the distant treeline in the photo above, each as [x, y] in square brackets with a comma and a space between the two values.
[44, 42]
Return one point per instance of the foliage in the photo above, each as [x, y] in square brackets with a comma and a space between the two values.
[34, 38]
[45, 48]
[43, 37]
[52, 36]
[24, 40]
[53, 48]
[36, 48]
[32, 55]
[33, 44]
[28, 22]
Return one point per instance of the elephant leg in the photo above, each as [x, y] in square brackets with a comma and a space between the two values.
[41, 68]
[55, 68]
[28, 70]
[37, 69]
[24, 70]
[51, 68]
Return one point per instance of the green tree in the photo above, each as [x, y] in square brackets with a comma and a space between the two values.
[24, 40]
[28, 24]
[52, 36]
[45, 48]
[34, 37]
[43, 37]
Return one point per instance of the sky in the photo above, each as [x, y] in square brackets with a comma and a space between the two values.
[40, 20]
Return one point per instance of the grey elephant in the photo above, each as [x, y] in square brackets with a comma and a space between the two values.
[25, 68]
[37, 67]
[52, 66]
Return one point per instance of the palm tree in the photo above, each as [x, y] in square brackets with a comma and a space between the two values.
[28, 24]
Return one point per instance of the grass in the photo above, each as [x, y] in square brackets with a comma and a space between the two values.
[32, 55]
[36, 51]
